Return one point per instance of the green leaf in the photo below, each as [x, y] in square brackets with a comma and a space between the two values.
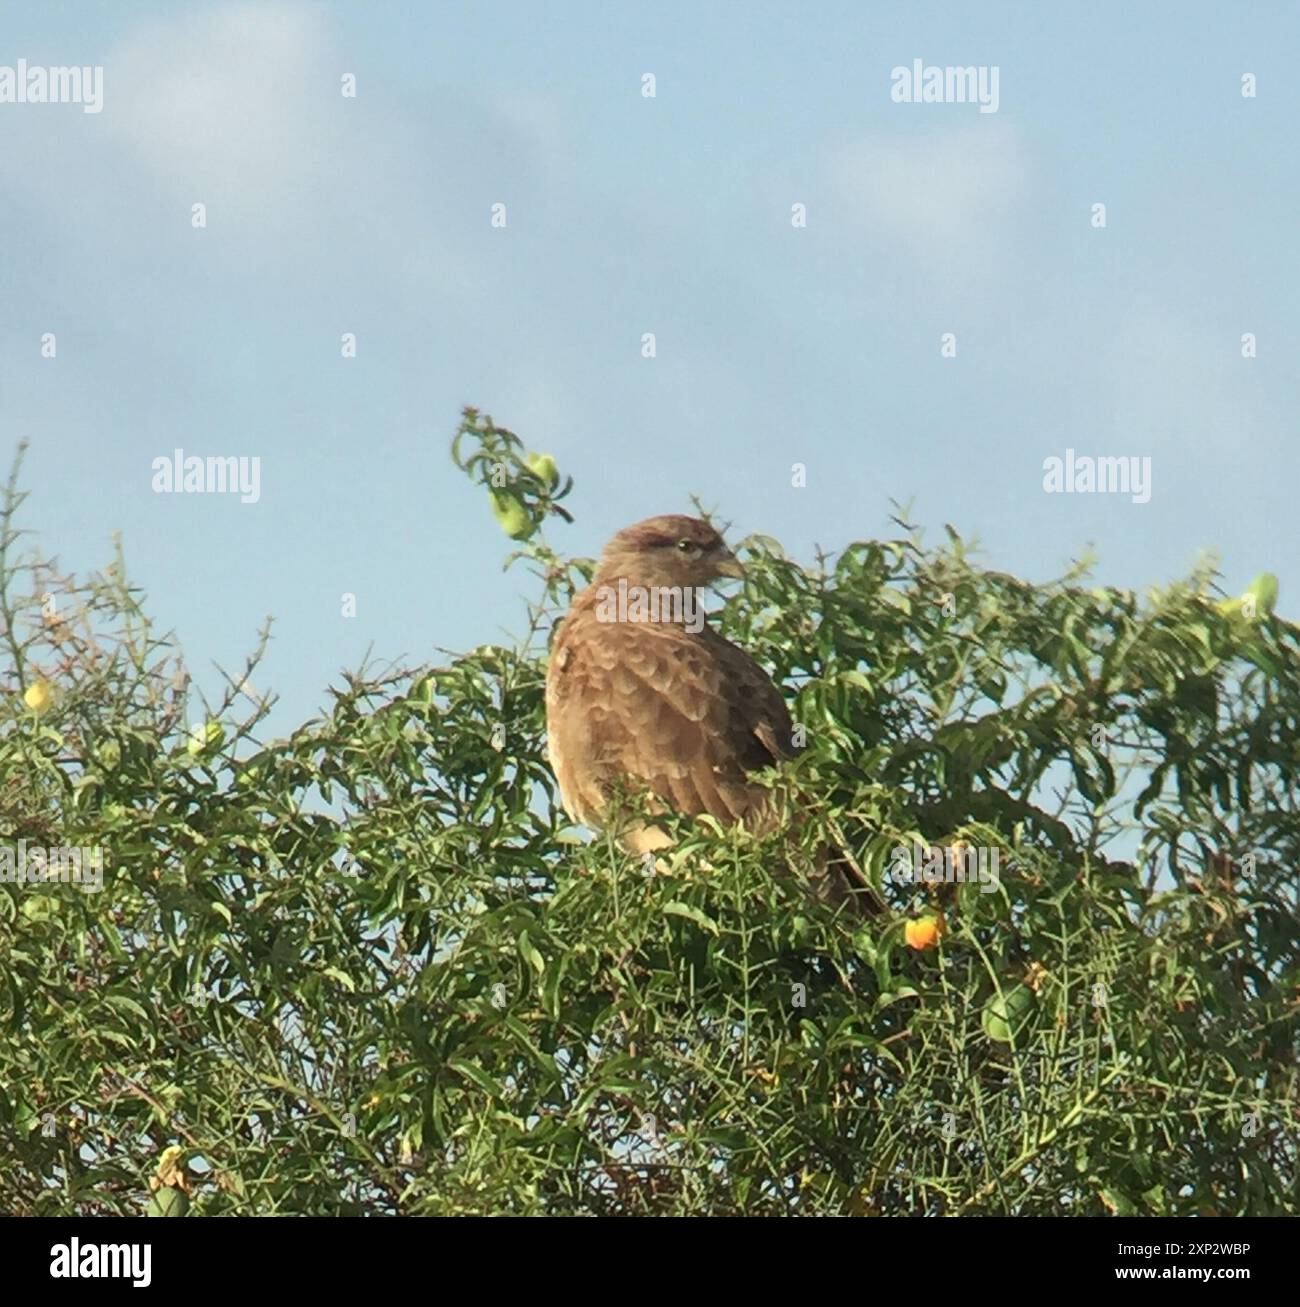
[530, 955]
[700, 918]
[477, 1076]
[125, 1004]
[551, 992]
[341, 977]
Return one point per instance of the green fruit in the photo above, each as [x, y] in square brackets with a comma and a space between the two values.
[40, 907]
[110, 754]
[168, 1202]
[511, 515]
[542, 466]
[1259, 597]
[1264, 590]
[203, 736]
[1005, 1014]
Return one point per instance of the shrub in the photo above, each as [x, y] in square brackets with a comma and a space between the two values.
[370, 967]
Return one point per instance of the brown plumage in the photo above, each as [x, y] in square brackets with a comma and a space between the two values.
[655, 704]
[666, 705]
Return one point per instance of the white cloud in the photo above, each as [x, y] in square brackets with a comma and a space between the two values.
[224, 104]
[946, 195]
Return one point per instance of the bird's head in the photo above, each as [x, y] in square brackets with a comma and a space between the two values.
[668, 551]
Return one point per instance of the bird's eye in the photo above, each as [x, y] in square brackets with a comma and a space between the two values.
[686, 546]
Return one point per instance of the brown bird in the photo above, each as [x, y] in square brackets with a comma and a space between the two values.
[647, 695]
[642, 694]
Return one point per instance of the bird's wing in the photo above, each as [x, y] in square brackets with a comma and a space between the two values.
[686, 716]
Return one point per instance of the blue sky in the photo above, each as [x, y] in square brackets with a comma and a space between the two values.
[626, 215]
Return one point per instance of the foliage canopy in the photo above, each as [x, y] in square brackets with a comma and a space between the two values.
[370, 968]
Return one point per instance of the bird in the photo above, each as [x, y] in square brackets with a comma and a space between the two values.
[643, 694]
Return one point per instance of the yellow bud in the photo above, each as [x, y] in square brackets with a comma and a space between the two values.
[203, 736]
[542, 466]
[511, 515]
[38, 696]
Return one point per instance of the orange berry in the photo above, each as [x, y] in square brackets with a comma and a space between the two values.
[925, 932]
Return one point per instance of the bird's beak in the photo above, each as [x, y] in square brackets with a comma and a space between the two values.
[729, 565]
